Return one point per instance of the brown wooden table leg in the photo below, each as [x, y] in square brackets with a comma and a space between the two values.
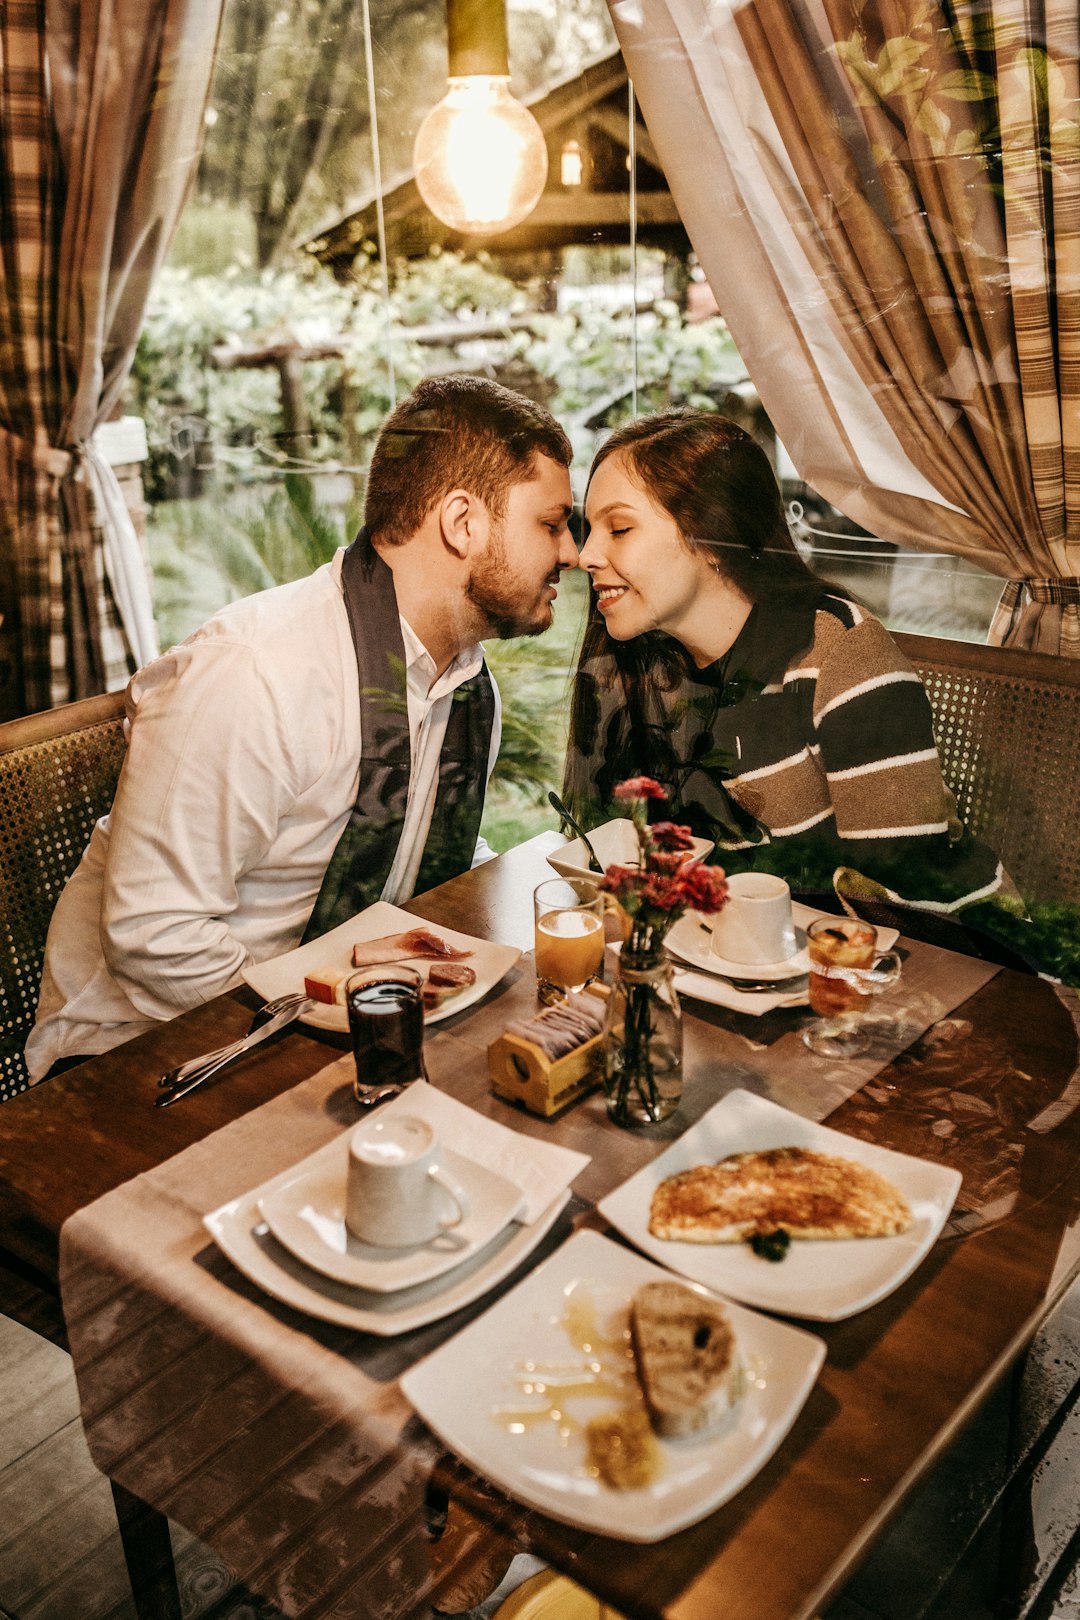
[149, 1557]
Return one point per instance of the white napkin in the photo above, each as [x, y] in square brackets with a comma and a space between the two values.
[541, 1169]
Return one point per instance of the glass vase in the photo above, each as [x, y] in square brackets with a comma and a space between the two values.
[643, 1042]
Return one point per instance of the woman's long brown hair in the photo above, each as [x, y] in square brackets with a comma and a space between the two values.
[719, 487]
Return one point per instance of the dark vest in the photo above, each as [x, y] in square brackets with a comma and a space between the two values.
[365, 852]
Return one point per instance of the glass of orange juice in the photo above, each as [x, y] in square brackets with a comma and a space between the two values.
[569, 917]
[846, 971]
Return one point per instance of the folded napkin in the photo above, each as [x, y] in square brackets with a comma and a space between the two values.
[541, 1169]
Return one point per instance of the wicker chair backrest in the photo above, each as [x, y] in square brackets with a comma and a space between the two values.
[1008, 730]
[58, 774]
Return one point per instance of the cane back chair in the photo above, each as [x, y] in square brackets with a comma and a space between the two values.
[1007, 725]
[58, 774]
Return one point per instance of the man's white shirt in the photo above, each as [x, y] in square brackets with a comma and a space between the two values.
[243, 765]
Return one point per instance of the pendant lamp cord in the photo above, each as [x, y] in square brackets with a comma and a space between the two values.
[376, 164]
[631, 151]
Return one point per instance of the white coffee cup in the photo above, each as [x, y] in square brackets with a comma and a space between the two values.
[755, 927]
[397, 1194]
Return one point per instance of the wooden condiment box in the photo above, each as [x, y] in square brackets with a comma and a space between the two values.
[524, 1074]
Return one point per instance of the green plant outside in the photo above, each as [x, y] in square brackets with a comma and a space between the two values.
[250, 533]
[259, 523]
[205, 553]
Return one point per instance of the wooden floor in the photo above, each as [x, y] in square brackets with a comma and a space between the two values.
[60, 1556]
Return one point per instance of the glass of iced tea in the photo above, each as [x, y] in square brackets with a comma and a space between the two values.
[385, 1006]
[846, 971]
[569, 917]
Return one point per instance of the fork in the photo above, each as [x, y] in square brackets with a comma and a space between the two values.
[184, 1071]
[293, 1008]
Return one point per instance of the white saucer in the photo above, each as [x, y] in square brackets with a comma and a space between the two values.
[306, 1213]
[691, 941]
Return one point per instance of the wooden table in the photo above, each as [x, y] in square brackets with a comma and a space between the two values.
[900, 1379]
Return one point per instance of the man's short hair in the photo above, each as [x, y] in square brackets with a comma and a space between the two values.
[450, 433]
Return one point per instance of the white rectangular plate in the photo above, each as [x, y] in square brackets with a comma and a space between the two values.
[825, 1281]
[241, 1233]
[283, 974]
[463, 1388]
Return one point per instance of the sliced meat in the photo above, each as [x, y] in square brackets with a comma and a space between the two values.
[433, 995]
[455, 975]
[422, 942]
[419, 944]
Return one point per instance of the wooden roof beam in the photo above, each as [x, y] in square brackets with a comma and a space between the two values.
[607, 120]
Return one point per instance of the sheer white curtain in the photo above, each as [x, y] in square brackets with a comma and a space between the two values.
[886, 202]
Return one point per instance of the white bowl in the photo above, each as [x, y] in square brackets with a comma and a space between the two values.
[615, 843]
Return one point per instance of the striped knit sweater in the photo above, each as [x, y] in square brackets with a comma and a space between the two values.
[823, 764]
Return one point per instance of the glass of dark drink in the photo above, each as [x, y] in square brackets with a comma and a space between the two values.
[386, 1022]
[846, 971]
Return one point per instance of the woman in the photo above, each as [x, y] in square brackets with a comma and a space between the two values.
[779, 714]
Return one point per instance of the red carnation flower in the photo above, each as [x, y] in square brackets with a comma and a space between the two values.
[621, 881]
[659, 893]
[639, 787]
[668, 835]
[702, 888]
[668, 864]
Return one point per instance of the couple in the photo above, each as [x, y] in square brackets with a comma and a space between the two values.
[327, 743]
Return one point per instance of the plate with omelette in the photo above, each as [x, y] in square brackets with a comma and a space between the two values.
[777, 1211]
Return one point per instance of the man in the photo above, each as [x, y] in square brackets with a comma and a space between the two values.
[287, 763]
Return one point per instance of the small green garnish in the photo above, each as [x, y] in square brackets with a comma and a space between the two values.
[770, 1245]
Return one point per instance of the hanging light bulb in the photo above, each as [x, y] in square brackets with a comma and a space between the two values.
[480, 157]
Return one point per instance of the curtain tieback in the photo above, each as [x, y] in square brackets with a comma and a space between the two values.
[1064, 590]
[45, 457]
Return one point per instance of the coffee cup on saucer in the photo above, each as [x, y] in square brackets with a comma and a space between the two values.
[397, 1193]
[755, 927]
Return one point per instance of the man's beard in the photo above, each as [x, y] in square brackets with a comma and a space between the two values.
[494, 592]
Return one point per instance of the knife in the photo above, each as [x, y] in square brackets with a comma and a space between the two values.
[279, 1021]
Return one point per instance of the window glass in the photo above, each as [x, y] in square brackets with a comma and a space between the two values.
[278, 335]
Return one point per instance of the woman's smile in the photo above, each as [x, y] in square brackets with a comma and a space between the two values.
[644, 574]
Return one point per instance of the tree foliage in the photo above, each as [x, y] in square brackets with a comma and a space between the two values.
[290, 137]
[579, 364]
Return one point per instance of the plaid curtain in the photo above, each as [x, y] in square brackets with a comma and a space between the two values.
[101, 105]
[891, 225]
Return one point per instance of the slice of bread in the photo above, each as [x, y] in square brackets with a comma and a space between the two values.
[687, 1363]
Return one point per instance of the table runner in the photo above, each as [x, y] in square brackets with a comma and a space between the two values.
[284, 1443]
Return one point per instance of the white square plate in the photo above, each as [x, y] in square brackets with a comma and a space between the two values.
[615, 843]
[470, 1390]
[283, 974]
[241, 1233]
[825, 1281]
